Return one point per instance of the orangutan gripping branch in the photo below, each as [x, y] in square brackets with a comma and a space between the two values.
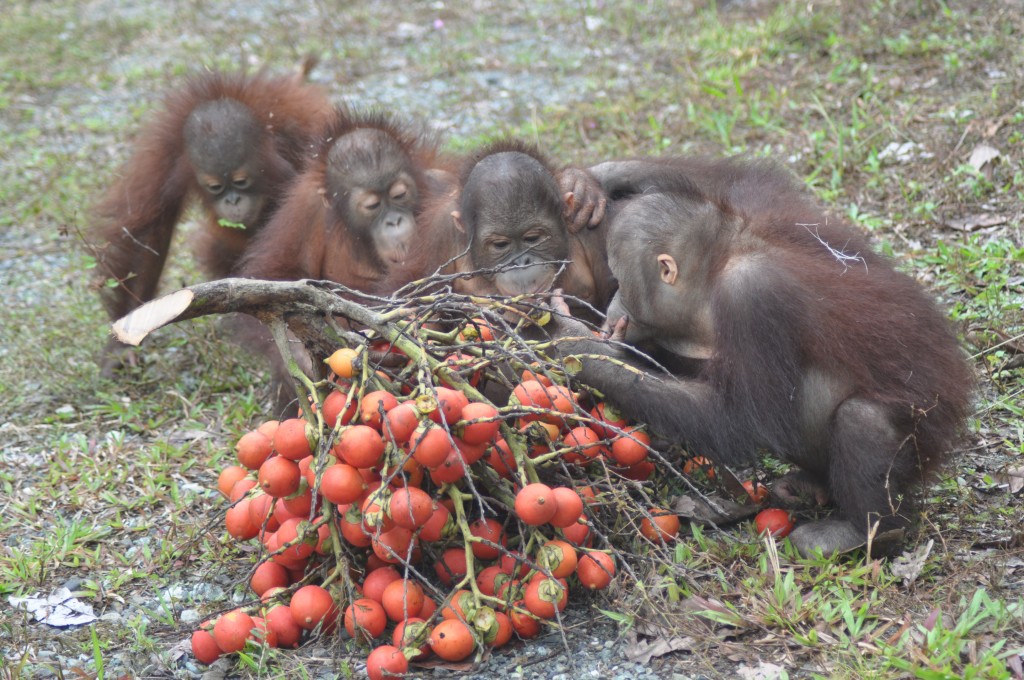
[232, 141]
[798, 339]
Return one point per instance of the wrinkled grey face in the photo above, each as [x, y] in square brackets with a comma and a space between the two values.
[513, 211]
[222, 139]
[372, 188]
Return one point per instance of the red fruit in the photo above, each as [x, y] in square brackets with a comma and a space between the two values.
[587, 444]
[232, 630]
[460, 606]
[262, 634]
[775, 521]
[758, 492]
[438, 526]
[269, 428]
[402, 599]
[204, 647]
[610, 420]
[281, 620]
[352, 528]
[558, 557]
[595, 570]
[639, 472]
[631, 447]
[563, 403]
[579, 533]
[492, 531]
[451, 470]
[534, 373]
[386, 662]
[412, 632]
[300, 538]
[452, 640]
[570, 507]
[342, 483]
[411, 507]
[481, 432]
[525, 626]
[700, 466]
[291, 440]
[503, 632]
[535, 504]
[400, 422]
[452, 566]
[531, 393]
[371, 405]
[430, 445]
[514, 564]
[462, 364]
[268, 575]
[470, 453]
[429, 607]
[367, 617]
[487, 579]
[228, 477]
[300, 504]
[261, 507]
[476, 330]
[661, 526]
[544, 596]
[360, 446]
[499, 457]
[337, 405]
[241, 487]
[312, 604]
[377, 580]
[253, 449]
[279, 477]
[238, 523]
[449, 405]
[393, 545]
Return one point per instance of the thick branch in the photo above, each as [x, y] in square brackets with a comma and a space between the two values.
[264, 300]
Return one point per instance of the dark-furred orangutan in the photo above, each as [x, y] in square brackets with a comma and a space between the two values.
[353, 214]
[796, 339]
[515, 219]
[232, 140]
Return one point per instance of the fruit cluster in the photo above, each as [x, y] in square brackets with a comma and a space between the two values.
[389, 470]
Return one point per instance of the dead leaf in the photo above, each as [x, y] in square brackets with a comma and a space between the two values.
[983, 158]
[908, 566]
[718, 511]
[59, 609]
[1013, 478]
[975, 222]
[641, 651]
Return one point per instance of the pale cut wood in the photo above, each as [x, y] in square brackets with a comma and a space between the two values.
[133, 328]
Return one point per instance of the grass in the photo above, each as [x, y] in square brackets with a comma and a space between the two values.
[106, 485]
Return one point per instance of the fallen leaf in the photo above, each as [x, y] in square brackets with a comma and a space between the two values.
[1013, 478]
[908, 566]
[714, 510]
[642, 651]
[60, 609]
[983, 155]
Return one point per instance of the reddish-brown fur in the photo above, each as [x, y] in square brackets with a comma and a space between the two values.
[136, 218]
[308, 239]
